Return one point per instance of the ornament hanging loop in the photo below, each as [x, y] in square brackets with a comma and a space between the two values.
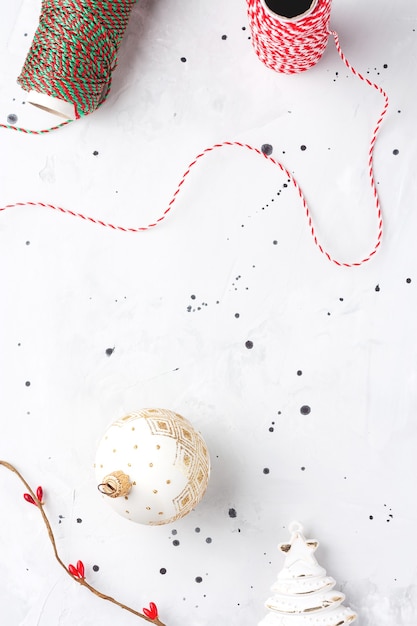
[295, 527]
[115, 485]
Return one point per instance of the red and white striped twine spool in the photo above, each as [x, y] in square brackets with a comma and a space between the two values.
[289, 45]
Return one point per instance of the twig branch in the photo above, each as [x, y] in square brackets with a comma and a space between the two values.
[80, 581]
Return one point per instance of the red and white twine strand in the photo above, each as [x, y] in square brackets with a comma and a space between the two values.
[300, 52]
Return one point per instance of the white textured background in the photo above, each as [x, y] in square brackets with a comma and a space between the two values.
[70, 290]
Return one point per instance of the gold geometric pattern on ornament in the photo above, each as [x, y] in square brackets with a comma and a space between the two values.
[167, 423]
[190, 495]
[191, 454]
[128, 418]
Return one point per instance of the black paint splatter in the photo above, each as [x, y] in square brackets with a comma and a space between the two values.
[27, 383]
[198, 579]
[175, 542]
[224, 37]
[305, 409]
[266, 470]
[232, 513]
[303, 147]
[299, 373]
[183, 59]
[95, 568]
[162, 570]
[396, 151]
[249, 344]
[408, 280]
[209, 539]
[109, 351]
[79, 520]
[267, 149]
[95, 153]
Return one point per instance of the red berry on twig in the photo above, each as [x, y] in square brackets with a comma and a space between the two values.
[152, 612]
[73, 570]
[39, 494]
[29, 498]
[76, 571]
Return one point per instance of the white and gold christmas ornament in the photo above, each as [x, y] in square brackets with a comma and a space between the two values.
[152, 466]
[303, 594]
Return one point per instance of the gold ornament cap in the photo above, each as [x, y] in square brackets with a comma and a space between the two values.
[115, 484]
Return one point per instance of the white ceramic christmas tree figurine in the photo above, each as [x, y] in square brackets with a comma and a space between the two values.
[303, 594]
